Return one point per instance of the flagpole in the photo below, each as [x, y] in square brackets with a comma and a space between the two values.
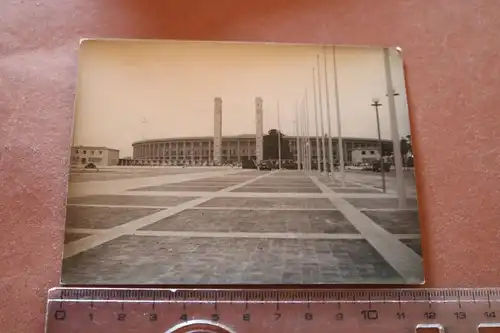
[330, 143]
[339, 126]
[318, 153]
[395, 133]
[297, 135]
[309, 154]
[321, 113]
[306, 146]
[302, 136]
[279, 137]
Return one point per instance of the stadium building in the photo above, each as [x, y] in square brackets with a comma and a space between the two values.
[218, 149]
[200, 150]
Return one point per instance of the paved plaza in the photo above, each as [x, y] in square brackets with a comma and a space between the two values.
[140, 225]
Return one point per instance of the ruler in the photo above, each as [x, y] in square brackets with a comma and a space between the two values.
[110, 310]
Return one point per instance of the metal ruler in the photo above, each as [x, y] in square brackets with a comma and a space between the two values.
[110, 310]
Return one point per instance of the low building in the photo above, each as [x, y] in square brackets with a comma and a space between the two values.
[365, 155]
[100, 156]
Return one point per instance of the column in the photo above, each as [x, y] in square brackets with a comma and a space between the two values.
[184, 151]
[209, 151]
[259, 131]
[217, 130]
[349, 160]
[239, 153]
[192, 151]
[248, 150]
[199, 152]
[176, 150]
[229, 151]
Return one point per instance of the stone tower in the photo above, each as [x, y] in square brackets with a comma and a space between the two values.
[259, 131]
[217, 158]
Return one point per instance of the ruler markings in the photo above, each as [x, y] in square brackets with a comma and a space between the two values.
[364, 318]
[369, 310]
[264, 301]
[85, 293]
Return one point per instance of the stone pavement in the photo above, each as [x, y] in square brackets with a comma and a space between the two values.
[233, 226]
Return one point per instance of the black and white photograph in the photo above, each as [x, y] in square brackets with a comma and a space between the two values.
[240, 163]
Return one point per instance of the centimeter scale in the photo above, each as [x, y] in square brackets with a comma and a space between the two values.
[110, 310]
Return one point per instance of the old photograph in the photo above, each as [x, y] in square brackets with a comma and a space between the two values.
[241, 163]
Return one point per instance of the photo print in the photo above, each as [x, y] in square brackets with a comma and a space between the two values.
[240, 163]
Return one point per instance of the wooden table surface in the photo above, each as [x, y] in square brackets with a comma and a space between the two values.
[452, 53]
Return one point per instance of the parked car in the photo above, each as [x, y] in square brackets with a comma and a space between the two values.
[376, 166]
[265, 165]
[91, 166]
[289, 165]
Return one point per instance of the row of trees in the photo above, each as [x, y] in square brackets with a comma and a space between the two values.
[406, 151]
[271, 147]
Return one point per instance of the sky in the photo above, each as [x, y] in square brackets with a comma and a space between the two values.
[129, 90]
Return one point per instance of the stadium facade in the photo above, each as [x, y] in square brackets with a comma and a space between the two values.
[218, 149]
[234, 149]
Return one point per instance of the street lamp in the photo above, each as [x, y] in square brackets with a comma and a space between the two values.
[376, 103]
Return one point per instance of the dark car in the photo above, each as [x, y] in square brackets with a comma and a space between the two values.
[289, 165]
[91, 166]
[265, 165]
[377, 164]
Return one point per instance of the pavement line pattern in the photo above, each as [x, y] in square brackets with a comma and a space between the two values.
[258, 235]
[90, 242]
[119, 206]
[403, 259]
[371, 187]
[213, 208]
[255, 194]
[335, 182]
[81, 189]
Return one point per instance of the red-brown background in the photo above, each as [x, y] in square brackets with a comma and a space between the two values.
[452, 53]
